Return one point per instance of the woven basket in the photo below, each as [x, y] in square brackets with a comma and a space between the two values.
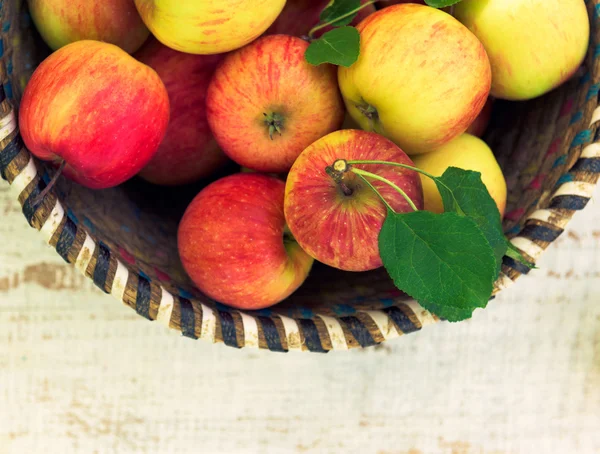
[124, 239]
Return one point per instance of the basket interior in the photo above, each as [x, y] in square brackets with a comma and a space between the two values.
[533, 142]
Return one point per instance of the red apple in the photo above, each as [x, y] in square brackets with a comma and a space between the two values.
[479, 126]
[97, 108]
[266, 103]
[188, 152]
[234, 245]
[300, 16]
[61, 22]
[341, 228]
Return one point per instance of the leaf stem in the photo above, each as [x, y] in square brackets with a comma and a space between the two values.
[395, 164]
[416, 169]
[386, 181]
[368, 183]
[316, 28]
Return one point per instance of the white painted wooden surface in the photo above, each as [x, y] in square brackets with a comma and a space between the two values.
[80, 373]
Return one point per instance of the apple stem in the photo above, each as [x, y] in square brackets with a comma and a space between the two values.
[370, 112]
[364, 173]
[37, 199]
[275, 123]
[319, 26]
[338, 177]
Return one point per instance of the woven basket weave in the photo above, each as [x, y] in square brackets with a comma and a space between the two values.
[124, 239]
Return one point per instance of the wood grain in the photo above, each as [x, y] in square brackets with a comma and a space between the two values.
[80, 373]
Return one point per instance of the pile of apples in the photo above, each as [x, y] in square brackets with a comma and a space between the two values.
[171, 90]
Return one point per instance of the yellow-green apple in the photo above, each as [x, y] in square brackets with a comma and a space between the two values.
[338, 222]
[208, 26]
[95, 107]
[61, 22]
[466, 152]
[234, 244]
[533, 45]
[421, 78]
[479, 126]
[188, 152]
[300, 16]
[266, 103]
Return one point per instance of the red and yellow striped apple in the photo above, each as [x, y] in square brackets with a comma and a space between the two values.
[300, 16]
[208, 26]
[234, 245]
[339, 226]
[533, 45]
[93, 106]
[189, 151]
[61, 22]
[421, 78]
[266, 103]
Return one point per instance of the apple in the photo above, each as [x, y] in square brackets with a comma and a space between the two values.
[234, 244]
[466, 152]
[421, 78]
[188, 152]
[300, 16]
[93, 106]
[61, 22]
[533, 45]
[385, 3]
[339, 225]
[481, 123]
[266, 103]
[208, 26]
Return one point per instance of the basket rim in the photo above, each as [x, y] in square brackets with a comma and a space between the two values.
[211, 321]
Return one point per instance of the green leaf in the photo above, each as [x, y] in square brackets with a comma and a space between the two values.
[464, 193]
[441, 3]
[442, 260]
[515, 254]
[337, 8]
[339, 46]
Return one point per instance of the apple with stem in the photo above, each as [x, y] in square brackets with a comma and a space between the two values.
[234, 244]
[336, 216]
[188, 151]
[96, 111]
[421, 77]
[533, 45]
[61, 22]
[266, 103]
[208, 26]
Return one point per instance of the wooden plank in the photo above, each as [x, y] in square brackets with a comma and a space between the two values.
[81, 373]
